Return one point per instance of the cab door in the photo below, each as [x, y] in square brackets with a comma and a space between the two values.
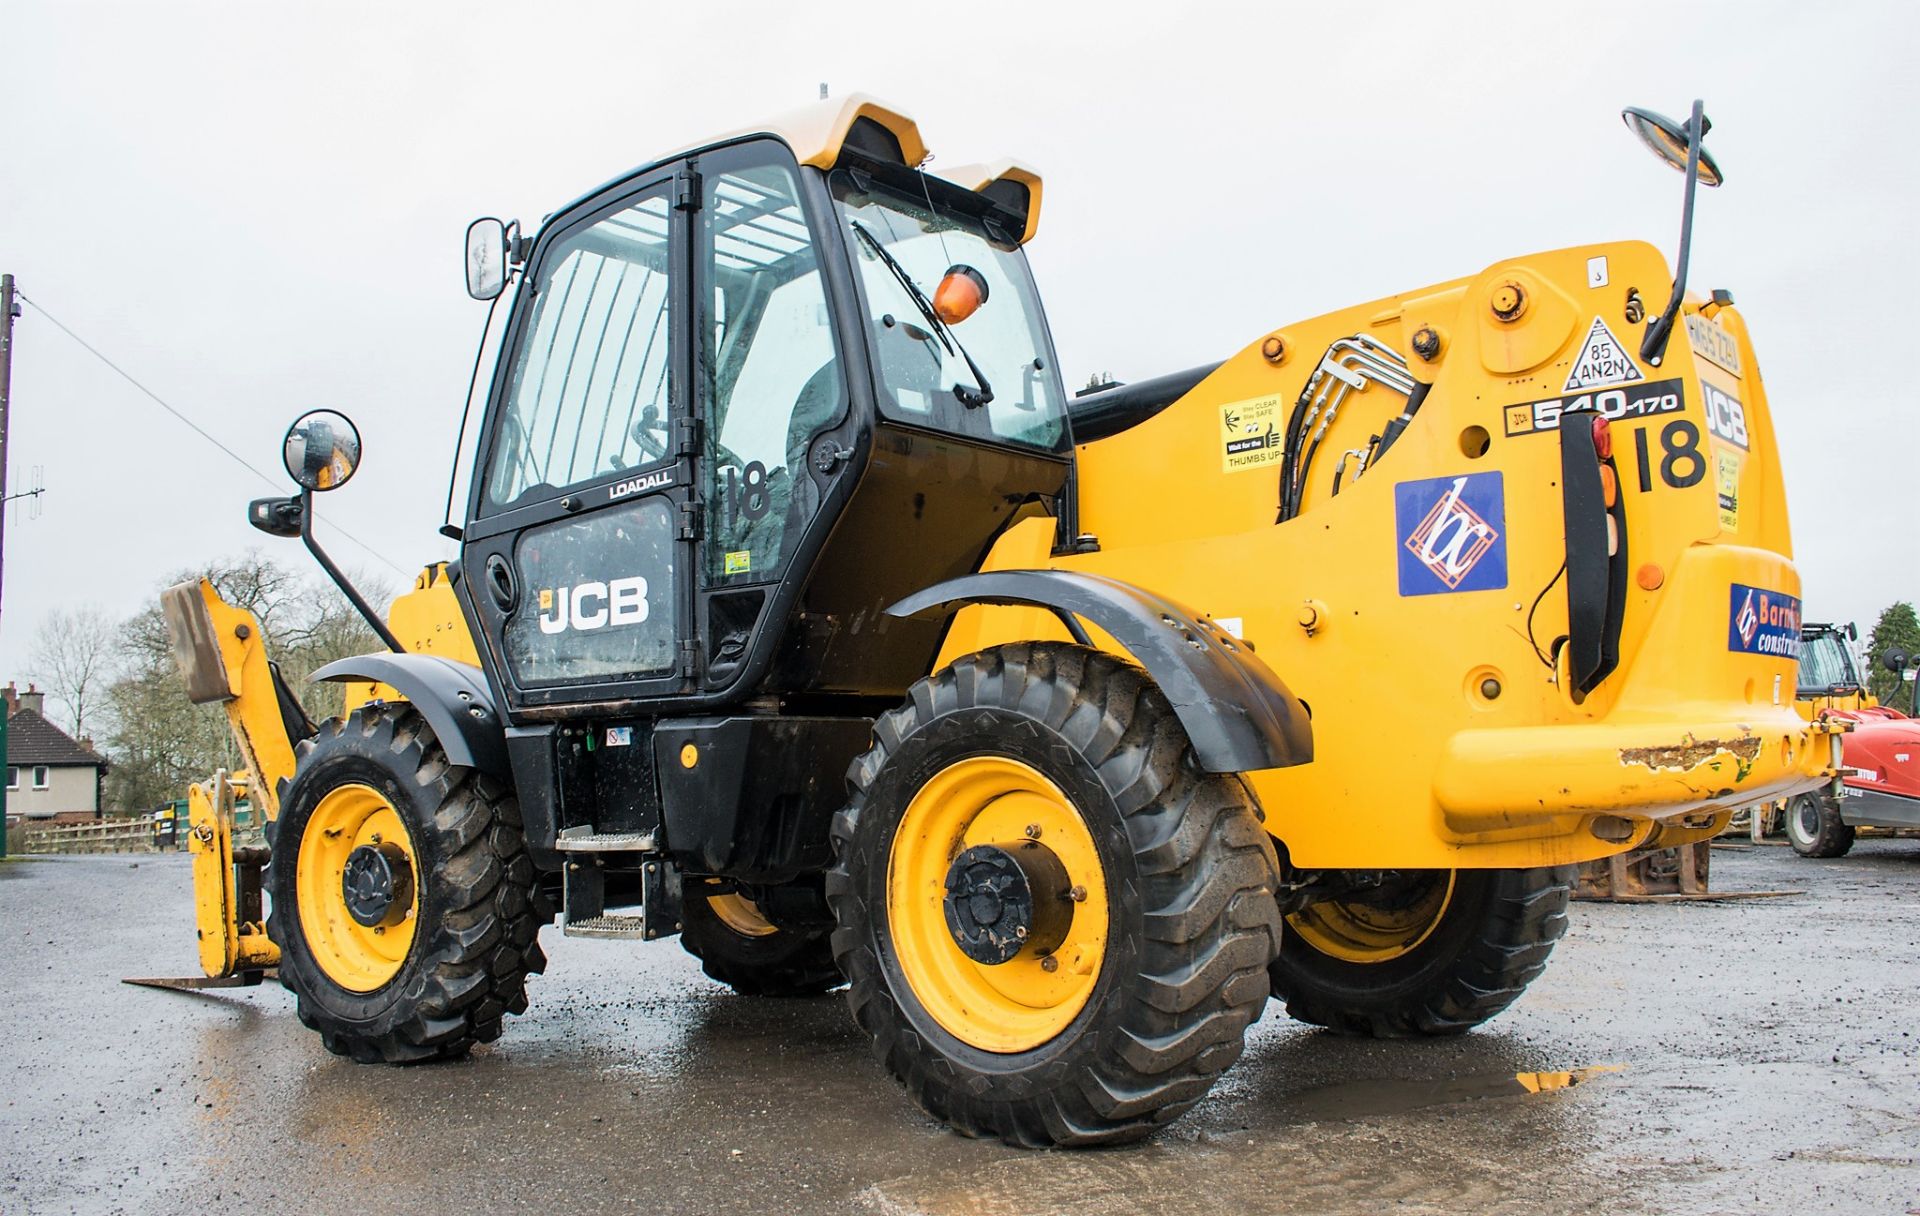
[773, 389]
[581, 528]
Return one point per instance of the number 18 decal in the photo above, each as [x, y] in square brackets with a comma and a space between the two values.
[1681, 464]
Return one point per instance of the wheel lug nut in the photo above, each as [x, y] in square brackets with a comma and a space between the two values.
[1033, 831]
[1049, 963]
[1078, 894]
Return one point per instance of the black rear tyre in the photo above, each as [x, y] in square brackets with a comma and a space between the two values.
[739, 947]
[1170, 868]
[1485, 945]
[1815, 828]
[478, 915]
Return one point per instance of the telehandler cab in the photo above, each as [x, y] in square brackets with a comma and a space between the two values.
[798, 612]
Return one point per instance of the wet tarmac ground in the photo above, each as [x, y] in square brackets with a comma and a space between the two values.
[1764, 1056]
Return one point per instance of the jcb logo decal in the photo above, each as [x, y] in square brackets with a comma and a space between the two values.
[593, 605]
[1452, 533]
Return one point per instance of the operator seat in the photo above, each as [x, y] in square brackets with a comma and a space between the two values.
[818, 406]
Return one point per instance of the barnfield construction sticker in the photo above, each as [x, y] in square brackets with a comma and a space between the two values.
[1250, 434]
[1602, 360]
[1760, 621]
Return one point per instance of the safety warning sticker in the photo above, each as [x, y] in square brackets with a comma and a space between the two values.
[1250, 434]
[1726, 482]
[1452, 534]
[1602, 360]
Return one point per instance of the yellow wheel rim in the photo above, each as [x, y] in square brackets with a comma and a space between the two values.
[1020, 1004]
[359, 958]
[741, 915]
[1362, 932]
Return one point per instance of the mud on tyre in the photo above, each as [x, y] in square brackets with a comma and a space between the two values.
[1159, 955]
[1433, 952]
[403, 899]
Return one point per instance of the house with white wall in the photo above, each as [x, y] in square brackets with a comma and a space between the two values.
[51, 776]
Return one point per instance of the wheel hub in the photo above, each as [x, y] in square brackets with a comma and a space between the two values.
[1004, 898]
[1809, 814]
[377, 882]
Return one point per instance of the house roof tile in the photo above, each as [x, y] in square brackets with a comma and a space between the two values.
[31, 739]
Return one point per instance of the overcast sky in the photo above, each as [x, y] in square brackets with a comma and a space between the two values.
[258, 211]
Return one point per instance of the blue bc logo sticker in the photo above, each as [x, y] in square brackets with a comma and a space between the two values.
[1452, 533]
[1763, 622]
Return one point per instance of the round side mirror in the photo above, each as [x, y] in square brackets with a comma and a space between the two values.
[486, 258]
[322, 450]
[1894, 661]
[1667, 140]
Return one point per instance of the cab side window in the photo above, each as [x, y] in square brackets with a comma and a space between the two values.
[590, 395]
[773, 378]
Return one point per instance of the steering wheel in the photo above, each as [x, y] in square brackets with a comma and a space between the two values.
[650, 432]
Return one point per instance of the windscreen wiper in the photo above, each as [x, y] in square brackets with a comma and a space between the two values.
[940, 329]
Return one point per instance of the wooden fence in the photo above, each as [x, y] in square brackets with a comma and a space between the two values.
[115, 836]
[100, 836]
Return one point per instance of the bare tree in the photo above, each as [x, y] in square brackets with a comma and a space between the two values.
[71, 658]
[158, 740]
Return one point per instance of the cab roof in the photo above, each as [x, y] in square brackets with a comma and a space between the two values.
[819, 133]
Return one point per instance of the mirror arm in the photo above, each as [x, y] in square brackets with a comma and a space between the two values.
[354, 597]
[1654, 347]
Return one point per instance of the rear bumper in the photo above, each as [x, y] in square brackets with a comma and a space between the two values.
[1492, 781]
[1864, 808]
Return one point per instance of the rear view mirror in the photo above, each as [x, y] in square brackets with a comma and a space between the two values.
[322, 450]
[1668, 140]
[1894, 661]
[486, 258]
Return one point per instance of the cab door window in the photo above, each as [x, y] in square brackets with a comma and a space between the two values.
[773, 380]
[590, 395]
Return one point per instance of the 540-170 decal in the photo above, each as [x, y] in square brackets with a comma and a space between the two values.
[1632, 401]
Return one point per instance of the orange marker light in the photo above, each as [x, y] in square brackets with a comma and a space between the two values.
[1609, 486]
[961, 292]
[1651, 577]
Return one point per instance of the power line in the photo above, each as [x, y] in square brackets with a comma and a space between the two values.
[199, 430]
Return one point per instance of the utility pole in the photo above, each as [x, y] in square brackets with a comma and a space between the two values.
[9, 309]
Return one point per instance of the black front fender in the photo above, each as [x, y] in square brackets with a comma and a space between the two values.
[453, 697]
[1236, 711]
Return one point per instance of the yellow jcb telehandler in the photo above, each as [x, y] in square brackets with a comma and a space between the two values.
[799, 612]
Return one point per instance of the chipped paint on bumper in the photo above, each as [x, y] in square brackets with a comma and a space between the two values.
[1489, 781]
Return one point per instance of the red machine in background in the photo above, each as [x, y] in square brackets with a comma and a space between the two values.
[1882, 751]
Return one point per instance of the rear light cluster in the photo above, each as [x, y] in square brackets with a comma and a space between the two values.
[1609, 480]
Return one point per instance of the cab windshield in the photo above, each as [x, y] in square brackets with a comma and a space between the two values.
[1826, 664]
[989, 375]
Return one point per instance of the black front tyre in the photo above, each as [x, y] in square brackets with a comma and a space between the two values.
[404, 902]
[1114, 901]
[1435, 952]
[1815, 828]
[739, 946]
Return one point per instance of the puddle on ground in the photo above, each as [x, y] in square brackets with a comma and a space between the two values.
[1367, 1099]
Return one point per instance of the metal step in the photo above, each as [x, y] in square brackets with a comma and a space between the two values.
[608, 926]
[583, 840]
